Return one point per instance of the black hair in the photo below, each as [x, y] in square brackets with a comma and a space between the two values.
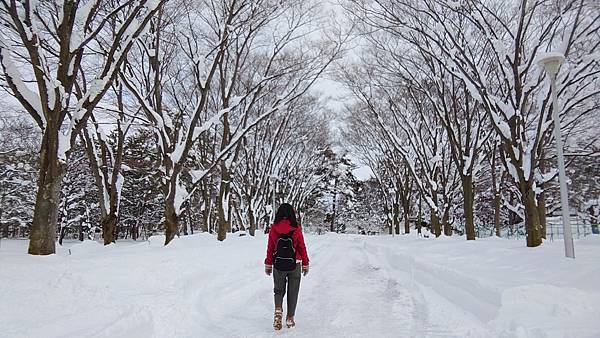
[286, 211]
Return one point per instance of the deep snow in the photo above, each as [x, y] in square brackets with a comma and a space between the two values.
[358, 286]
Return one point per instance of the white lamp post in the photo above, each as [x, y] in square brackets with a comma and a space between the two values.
[551, 62]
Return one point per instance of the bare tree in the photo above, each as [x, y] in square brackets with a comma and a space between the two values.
[492, 47]
[242, 74]
[53, 39]
[280, 158]
[19, 143]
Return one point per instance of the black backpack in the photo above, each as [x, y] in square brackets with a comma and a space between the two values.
[285, 254]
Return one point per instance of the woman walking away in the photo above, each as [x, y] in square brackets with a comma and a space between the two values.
[286, 252]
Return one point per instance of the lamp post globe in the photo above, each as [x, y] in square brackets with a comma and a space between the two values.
[551, 62]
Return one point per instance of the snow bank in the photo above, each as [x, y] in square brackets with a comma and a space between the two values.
[358, 286]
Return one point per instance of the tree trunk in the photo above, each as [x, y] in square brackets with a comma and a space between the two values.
[81, 232]
[189, 229]
[420, 220]
[541, 201]
[224, 224]
[252, 229]
[207, 201]
[446, 221]
[497, 197]
[496, 203]
[171, 220]
[107, 188]
[239, 224]
[185, 224]
[42, 235]
[170, 191]
[532, 220]
[114, 189]
[334, 203]
[388, 220]
[4, 228]
[61, 235]
[133, 231]
[541, 198]
[467, 185]
[109, 228]
[406, 216]
[435, 223]
[396, 211]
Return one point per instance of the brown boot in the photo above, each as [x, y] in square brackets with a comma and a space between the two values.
[289, 321]
[277, 319]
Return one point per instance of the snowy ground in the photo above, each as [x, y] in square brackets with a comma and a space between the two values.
[357, 287]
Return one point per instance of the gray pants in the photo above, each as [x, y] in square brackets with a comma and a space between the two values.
[292, 279]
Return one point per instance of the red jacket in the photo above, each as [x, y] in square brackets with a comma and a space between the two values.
[284, 227]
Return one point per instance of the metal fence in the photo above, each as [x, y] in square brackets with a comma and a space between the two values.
[580, 227]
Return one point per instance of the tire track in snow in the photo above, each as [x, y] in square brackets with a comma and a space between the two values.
[417, 311]
[239, 301]
[355, 288]
[443, 297]
[351, 297]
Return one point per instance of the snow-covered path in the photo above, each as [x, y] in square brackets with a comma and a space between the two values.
[358, 287]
